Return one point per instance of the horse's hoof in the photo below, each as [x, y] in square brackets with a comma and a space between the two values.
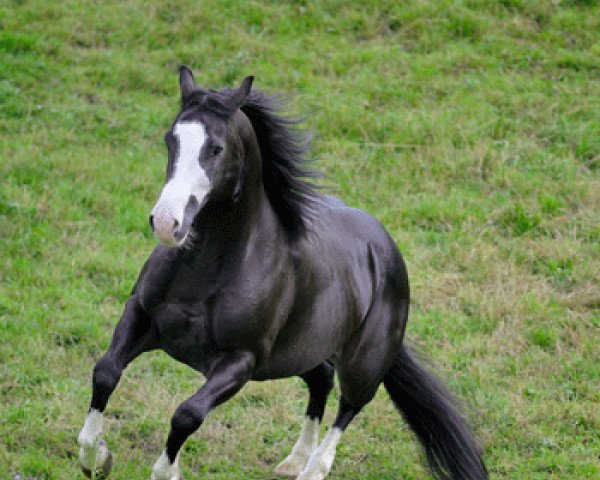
[102, 470]
[316, 469]
[291, 466]
[164, 470]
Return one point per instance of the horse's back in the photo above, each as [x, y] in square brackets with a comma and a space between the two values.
[363, 245]
[349, 229]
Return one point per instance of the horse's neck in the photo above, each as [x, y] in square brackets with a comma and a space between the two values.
[226, 230]
[248, 223]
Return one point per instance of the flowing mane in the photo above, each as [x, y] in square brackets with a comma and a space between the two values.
[287, 174]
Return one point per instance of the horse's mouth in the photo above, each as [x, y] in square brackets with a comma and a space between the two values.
[172, 232]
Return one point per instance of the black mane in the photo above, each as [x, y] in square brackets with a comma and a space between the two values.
[287, 174]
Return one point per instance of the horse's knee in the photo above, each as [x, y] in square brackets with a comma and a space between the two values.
[187, 419]
[106, 375]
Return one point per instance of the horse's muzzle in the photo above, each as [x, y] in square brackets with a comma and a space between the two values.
[172, 229]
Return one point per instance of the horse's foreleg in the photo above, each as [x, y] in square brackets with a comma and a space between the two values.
[320, 382]
[320, 461]
[227, 376]
[133, 335]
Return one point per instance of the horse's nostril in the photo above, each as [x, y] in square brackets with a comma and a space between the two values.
[151, 222]
[175, 224]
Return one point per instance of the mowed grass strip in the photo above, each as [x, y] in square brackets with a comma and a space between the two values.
[470, 129]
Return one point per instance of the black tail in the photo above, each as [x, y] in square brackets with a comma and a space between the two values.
[452, 451]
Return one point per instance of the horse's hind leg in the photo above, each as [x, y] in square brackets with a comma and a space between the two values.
[358, 385]
[320, 382]
[133, 335]
[365, 360]
[320, 461]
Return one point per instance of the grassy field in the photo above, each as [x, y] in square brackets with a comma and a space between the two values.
[470, 128]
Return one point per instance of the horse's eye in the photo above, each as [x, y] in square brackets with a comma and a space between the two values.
[216, 150]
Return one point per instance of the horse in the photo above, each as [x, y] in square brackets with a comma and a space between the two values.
[260, 275]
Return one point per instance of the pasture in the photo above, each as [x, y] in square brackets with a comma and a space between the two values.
[470, 129]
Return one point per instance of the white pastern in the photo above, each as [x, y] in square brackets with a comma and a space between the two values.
[189, 178]
[163, 470]
[92, 428]
[307, 443]
[93, 452]
[320, 461]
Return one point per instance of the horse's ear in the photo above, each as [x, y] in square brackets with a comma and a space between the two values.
[186, 81]
[240, 94]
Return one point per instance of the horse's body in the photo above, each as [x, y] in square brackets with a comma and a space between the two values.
[275, 299]
[265, 278]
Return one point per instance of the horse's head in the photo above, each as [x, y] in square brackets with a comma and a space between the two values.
[205, 157]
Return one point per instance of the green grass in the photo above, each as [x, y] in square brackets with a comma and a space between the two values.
[470, 128]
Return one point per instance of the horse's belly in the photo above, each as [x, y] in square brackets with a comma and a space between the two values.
[284, 363]
[307, 341]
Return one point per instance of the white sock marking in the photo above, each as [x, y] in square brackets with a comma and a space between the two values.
[93, 452]
[92, 428]
[320, 462]
[163, 470]
[307, 443]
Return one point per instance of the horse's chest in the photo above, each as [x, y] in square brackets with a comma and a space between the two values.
[185, 334]
[175, 322]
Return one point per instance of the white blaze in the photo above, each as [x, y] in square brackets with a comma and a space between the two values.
[189, 178]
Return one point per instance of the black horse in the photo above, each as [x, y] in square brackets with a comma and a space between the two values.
[259, 276]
